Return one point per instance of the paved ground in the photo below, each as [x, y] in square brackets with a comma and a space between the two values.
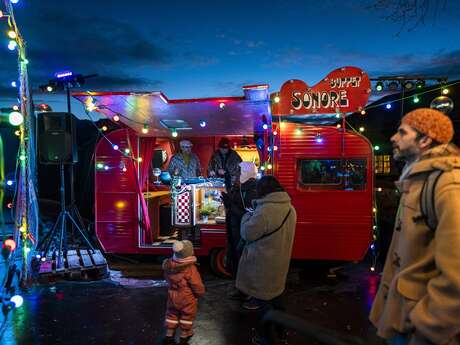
[129, 308]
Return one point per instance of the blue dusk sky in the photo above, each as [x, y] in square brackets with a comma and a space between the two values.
[192, 49]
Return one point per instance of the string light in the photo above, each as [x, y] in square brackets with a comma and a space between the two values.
[298, 131]
[15, 107]
[319, 139]
[275, 133]
[265, 126]
[416, 99]
[106, 167]
[445, 91]
[376, 147]
[22, 157]
[363, 112]
[221, 105]
[116, 118]
[14, 84]
[127, 151]
[361, 129]
[174, 134]
[145, 129]
[202, 123]
[275, 148]
[139, 159]
[379, 86]
[16, 118]
[104, 128]
[276, 99]
[49, 88]
[99, 165]
[12, 45]
[269, 167]
[12, 34]
[115, 147]
[14, 1]
[388, 106]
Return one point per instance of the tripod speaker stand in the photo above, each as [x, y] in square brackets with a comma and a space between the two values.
[57, 146]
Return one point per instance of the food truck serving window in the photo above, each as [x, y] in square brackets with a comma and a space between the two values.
[336, 174]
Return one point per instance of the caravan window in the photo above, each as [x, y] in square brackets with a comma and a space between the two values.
[337, 174]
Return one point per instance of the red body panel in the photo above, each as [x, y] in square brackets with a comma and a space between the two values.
[331, 224]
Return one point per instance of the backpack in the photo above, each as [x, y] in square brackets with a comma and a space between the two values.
[427, 202]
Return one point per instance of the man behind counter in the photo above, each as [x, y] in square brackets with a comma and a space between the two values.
[224, 163]
[185, 164]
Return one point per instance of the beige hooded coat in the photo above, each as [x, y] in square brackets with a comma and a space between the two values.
[419, 293]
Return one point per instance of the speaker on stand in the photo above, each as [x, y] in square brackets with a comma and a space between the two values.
[56, 142]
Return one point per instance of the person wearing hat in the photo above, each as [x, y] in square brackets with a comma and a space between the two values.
[184, 288]
[418, 300]
[224, 163]
[185, 164]
[236, 203]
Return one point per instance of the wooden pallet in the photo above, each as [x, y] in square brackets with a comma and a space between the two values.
[80, 264]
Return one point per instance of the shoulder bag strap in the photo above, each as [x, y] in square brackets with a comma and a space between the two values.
[274, 231]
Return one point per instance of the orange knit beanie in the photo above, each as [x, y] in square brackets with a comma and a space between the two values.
[432, 123]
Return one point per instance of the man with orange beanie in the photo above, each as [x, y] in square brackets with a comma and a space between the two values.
[418, 301]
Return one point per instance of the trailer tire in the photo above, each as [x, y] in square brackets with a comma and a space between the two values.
[217, 263]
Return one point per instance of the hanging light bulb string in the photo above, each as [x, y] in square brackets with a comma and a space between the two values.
[108, 140]
[440, 88]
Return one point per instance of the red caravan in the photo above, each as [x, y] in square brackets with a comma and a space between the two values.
[327, 172]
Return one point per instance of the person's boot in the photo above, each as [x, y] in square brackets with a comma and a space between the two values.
[185, 340]
[168, 340]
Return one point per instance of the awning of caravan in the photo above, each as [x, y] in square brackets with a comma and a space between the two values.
[189, 117]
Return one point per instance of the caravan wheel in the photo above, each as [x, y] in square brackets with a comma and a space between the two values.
[217, 261]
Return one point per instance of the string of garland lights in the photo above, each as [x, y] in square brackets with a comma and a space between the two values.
[24, 205]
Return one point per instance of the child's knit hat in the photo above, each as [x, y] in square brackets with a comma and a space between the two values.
[182, 249]
[432, 123]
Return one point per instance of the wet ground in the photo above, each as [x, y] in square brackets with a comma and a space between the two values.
[129, 308]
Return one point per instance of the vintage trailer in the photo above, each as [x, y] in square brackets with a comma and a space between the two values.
[327, 171]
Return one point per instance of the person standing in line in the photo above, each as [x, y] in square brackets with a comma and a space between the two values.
[418, 300]
[236, 202]
[185, 164]
[224, 163]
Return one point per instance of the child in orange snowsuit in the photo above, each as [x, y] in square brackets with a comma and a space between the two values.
[184, 288]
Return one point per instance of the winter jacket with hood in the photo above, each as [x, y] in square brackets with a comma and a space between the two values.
[264, 264]
[419, 293]
[184, 282]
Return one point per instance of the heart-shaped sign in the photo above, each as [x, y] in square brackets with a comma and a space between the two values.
[344, 90]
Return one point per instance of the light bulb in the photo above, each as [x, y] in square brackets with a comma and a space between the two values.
[12, 34]
[115, 147]
[276, 99]
[104, 128]
[14, 84]
[116, 118]
[174, 134]
[16, 118]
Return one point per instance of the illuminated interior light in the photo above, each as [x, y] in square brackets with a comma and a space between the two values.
[337, 115]
[298, 131]
[9, 182]
[17, 133]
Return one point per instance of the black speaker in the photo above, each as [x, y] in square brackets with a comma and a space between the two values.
[56, 138]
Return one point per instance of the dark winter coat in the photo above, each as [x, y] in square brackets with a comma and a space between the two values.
[239, 198]
[264, 264]
[230, 163]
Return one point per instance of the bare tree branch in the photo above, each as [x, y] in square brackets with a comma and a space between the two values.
[410, 14]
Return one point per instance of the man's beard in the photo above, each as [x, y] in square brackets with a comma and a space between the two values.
[406, 155]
